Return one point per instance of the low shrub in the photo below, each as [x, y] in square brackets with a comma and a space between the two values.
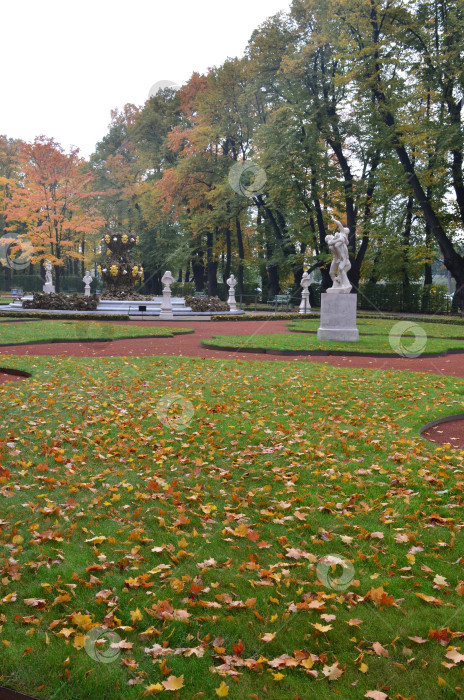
[206, 304]
[55, 301]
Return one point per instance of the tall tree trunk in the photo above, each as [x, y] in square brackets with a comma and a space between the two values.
[211, 265]
[228, 262]
[241, 255]
[453, 261]
[198, 269]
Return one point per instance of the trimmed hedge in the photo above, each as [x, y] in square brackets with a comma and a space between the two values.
[414, 299]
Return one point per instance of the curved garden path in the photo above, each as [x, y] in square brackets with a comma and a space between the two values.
[190, 346]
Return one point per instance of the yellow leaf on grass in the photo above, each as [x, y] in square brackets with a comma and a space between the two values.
[321, 628]
[268, 637]
[83, 621]
[136, 615]
[174, 683]
[223, 690]
[278, 676]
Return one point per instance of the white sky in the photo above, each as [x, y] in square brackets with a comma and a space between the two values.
[66, 65]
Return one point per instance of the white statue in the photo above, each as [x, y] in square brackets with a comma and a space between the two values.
[166, 305]
[87, 279]
[338, 246]
[48, 287]
[232, 282]
[306, 282]
[167, 279]
[48, 272]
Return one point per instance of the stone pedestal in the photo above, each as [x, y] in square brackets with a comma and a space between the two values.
[87, 290]
[338, 317]
[49, 288]
[166, 306]
[305, 306]
[232, 303]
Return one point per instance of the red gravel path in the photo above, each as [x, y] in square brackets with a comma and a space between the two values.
[451, 432]
[190, 346]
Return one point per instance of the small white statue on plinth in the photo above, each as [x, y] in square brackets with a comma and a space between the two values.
[166, 305]
[232, 282]
[338, 246]
[48, 287]
[306, 281]
[87, 279]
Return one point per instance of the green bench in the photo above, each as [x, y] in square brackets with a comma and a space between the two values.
[279, 300]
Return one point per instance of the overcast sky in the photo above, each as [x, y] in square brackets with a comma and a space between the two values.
[66, 65]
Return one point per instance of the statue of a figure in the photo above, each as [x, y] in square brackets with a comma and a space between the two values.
[167, 279]
[48, 272]
[87, 279]
[306, 282]
[338, 246]
[232, 282]
[166, 305]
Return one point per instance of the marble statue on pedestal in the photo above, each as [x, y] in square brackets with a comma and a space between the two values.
[48, 287]
[87, 279]
[232, 282]
[338, 246]
[306, 281]
[338, 306]
[166, 305]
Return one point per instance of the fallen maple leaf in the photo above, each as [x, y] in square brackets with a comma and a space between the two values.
[454, 655]
[379, 649]
[418, 640]
[268, 637]
[376, 695]
[136, 616]
[321, 628]
[332, 673]
[174, 683]
[223, 690]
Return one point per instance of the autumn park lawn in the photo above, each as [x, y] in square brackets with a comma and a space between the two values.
[379, 336]
[42, 331]
[196, 530]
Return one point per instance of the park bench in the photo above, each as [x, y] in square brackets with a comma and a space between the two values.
[279, 300]
[16, 293]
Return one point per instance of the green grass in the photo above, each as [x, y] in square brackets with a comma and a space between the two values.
[5, 300]
[383, 326]
[379, 336]
[40, 331]
[271, 462]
